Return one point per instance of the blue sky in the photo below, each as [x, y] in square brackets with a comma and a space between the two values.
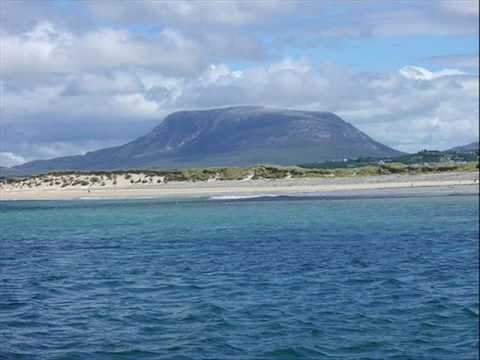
[81, 75]
[390, 53]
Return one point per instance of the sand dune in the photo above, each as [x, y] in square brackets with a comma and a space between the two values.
[155, 188]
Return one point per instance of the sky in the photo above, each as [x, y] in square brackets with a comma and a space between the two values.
[77, 76]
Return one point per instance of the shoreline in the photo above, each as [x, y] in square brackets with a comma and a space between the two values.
[264, 187]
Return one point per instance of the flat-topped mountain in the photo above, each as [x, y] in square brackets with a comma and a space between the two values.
[235, 136]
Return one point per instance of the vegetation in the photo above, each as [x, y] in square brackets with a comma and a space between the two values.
[423, 157]
[352, 168]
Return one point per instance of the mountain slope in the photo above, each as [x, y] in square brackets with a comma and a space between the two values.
[474, 146]
[9, 172]
[236, 136]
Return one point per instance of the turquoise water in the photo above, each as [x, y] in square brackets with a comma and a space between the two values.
[259, 279]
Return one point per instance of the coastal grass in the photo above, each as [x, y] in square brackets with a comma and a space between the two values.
[149, 177]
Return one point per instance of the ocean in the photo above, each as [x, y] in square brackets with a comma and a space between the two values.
[254, 278]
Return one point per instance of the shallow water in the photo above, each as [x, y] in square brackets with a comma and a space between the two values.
[253, 279]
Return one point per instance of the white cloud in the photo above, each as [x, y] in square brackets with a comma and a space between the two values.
[460, 7]
[33, 51]
[62, 102]
[229, 13]
[48, 50]
[418, 73]
[115, 82]
[8, 159]
[418, 21]
[410, 109]
[404, 18]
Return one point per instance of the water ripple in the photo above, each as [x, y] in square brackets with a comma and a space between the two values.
[284, 279]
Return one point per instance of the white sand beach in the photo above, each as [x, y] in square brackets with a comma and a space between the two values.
[292, 186]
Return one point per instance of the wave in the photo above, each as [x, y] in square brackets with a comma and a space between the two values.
[95, 198]
[244, 197]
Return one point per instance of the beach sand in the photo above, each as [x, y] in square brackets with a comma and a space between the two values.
[468, 181]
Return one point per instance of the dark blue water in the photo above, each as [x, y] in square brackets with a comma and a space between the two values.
[304, 279]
